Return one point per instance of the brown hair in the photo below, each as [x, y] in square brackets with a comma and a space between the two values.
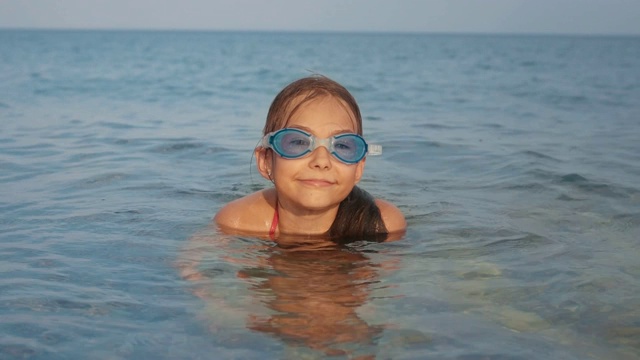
[358, 215]
[300, 92]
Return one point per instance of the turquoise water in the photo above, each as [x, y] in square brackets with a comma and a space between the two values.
[515, 159]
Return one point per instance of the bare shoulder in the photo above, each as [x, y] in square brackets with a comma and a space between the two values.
[251, 213]
[393, 218]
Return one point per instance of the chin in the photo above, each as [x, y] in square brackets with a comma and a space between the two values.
[319, 204]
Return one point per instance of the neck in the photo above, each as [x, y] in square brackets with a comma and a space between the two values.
[305, 222]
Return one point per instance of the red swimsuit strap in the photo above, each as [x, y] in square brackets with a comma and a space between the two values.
[274, 223]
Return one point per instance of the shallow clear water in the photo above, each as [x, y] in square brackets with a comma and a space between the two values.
[514, 158]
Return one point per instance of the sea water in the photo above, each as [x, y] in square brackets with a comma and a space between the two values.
[516, 160]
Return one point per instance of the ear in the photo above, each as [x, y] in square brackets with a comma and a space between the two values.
[360, 169]
[264, 162]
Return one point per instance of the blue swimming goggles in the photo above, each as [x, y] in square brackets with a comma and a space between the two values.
[293, 143]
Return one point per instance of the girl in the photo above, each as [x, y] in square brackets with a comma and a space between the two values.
[313, 152]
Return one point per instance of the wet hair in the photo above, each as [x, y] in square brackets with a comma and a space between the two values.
[358, 215]
[358, 218]
[304, 90]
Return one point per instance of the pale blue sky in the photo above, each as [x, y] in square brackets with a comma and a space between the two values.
[486, 16]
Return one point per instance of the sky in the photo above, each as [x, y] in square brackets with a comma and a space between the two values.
[604, 17]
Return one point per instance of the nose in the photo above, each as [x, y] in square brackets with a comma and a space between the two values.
[320, 158]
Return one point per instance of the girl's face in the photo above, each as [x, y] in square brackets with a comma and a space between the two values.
[317, 181]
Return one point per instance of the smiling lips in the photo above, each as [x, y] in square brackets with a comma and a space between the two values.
[317, 182]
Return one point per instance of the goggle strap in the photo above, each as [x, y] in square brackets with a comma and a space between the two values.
[264, 142]
[374, 149]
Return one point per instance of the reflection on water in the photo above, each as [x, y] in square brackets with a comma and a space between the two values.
[315, 296]
[316, 299]
[308, 295]
[313, 299]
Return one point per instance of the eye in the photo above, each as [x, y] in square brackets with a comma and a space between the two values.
[294, 143]
[342, 145]
[345, 145]
[298, 142]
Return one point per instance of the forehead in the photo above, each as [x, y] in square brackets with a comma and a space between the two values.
[325, 112]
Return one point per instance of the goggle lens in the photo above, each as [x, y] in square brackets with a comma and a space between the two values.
[349, 147]
[291, 143]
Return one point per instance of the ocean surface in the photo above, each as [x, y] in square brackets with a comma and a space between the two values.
[516, 160]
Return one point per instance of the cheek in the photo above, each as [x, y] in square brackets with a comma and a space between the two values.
[349, 172]
[284, 167]
[359, 170]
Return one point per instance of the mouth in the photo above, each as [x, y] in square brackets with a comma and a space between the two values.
[317, 182]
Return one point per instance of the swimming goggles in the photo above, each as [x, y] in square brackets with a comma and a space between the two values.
[293, 143]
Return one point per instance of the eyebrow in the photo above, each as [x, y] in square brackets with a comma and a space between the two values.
[309, 130]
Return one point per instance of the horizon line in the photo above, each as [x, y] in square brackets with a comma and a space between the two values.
[316, 31]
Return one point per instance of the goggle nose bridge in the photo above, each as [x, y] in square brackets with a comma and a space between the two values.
[315, 143]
